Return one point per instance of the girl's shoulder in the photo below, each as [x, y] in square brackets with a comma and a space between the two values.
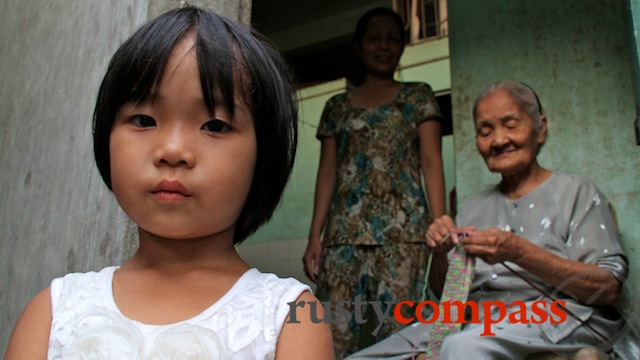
[88, 282]
[271, 285]
[89, 275]
[30, 337]
[36, 330]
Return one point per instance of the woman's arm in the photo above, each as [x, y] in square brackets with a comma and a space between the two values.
[588, 283]
[30, 338]
[431, 164]
[325, 185]
[305, 339]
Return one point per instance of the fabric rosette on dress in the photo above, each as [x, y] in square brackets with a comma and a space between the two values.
[103, 334]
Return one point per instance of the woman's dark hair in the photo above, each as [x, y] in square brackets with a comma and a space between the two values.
[361, 26]
[226, 53]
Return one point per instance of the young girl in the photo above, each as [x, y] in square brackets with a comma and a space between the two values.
[195, 134]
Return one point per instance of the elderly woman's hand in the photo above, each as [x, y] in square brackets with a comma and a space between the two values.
[443, 234]
[493, 245]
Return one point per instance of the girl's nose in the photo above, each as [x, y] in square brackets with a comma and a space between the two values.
[174, 148]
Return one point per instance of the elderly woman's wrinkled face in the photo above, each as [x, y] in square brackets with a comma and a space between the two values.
[507, 138]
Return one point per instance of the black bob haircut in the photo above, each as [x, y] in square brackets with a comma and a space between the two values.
[228, 55]
[361, 26]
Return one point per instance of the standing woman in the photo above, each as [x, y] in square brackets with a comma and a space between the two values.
[377, 140]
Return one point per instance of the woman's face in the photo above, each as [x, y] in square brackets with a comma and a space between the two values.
[506, 137]
[382, 46]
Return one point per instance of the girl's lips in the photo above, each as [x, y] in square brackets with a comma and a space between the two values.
[170, 191]
[168, 196]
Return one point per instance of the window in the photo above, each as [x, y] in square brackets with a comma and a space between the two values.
[329, 56]
[425, 19]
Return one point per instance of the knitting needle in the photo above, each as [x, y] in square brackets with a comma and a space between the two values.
[546, 294]
[426, 275]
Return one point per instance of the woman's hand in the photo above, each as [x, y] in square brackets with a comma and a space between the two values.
[493, 245]
[439, 234]
[443, 234]
[311, 259]
[325, 184]
[588, 283]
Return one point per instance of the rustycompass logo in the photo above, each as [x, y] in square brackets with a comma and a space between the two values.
[458, 312]
[550, 308]
[428, 312]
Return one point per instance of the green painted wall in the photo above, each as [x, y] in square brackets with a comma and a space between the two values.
[633, 17]
[427, 62]
[576, 54]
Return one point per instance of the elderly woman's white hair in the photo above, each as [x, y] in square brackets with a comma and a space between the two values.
[521, 93]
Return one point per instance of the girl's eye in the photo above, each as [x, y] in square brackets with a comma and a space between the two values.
[143, 121]
[216, 126]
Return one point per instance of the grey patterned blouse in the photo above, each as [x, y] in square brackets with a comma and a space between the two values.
[566, 215]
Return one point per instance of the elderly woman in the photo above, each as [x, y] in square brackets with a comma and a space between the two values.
[554, 229]
[537, 231]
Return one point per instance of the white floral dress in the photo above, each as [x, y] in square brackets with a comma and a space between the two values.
[244, 324]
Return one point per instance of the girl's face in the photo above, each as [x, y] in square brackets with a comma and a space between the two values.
[177, 170]
[382, 45]
[506, 137]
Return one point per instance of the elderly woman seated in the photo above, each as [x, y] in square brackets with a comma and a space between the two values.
[537, 231]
